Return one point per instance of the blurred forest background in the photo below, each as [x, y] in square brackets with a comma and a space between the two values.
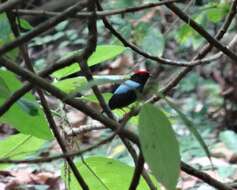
[205, 98]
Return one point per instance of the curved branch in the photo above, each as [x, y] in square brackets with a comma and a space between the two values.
[89, 49]
[100, 14]
[160, 60]
[137, 172]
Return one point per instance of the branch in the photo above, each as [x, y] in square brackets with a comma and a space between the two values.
[91, 46]
[57, 157]
[42, 27]
[28, 86]
[45, 106]
[137, 172]
[66, 62]
[78, 104]
[214, 42]
[89, 49]
[160, 60]
[60, 141]
[81, 106]
[204, 51]
[9, 5]
[205, 177]
[174, 81]
[100, 14]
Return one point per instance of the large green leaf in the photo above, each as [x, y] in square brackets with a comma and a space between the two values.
[113, 175]
[159, 145]
[18, 147]
[26, 115]
[102, 53]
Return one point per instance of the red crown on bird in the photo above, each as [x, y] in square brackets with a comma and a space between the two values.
[141, 72]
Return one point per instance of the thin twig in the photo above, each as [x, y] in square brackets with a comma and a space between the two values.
[213, 41]
[8, 5]
[203, 52]
[80, 105]
[89, 49]
[205, 177]
[57, 157]
[43, 27]
[28, 86]
[100, 14]
[160, 60]
[45, 106]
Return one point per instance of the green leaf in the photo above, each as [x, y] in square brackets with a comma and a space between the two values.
[25, 115]
[120, 113]
[154, 42]
[70, 85]
[230, 139]
[92, 98]
[25, 24]
[124, 3]
[31, 107]
[189, 124]
[187, 36]
[217, 12]
[18, 147]
[4, 90]
[159, 145]
[113, 175]
[102, 53]
[5, 28]
[80, 84]
[140, 31]
[6, 36]
[183, 33]
[215, 15]
[62, 25]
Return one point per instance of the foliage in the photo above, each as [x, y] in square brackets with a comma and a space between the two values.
[102, 53]
[32, 120]
[105, 175]
[6, 35]
[211, 13]
[164, 129]
[159, 145]
[19, 146]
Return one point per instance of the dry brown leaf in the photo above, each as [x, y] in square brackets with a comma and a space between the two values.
[221, 151]
[120, 65]
[147, 17]
[25, 177]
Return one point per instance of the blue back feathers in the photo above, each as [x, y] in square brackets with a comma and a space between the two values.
[126, 86]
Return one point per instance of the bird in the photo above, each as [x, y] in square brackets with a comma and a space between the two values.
[127, 92]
